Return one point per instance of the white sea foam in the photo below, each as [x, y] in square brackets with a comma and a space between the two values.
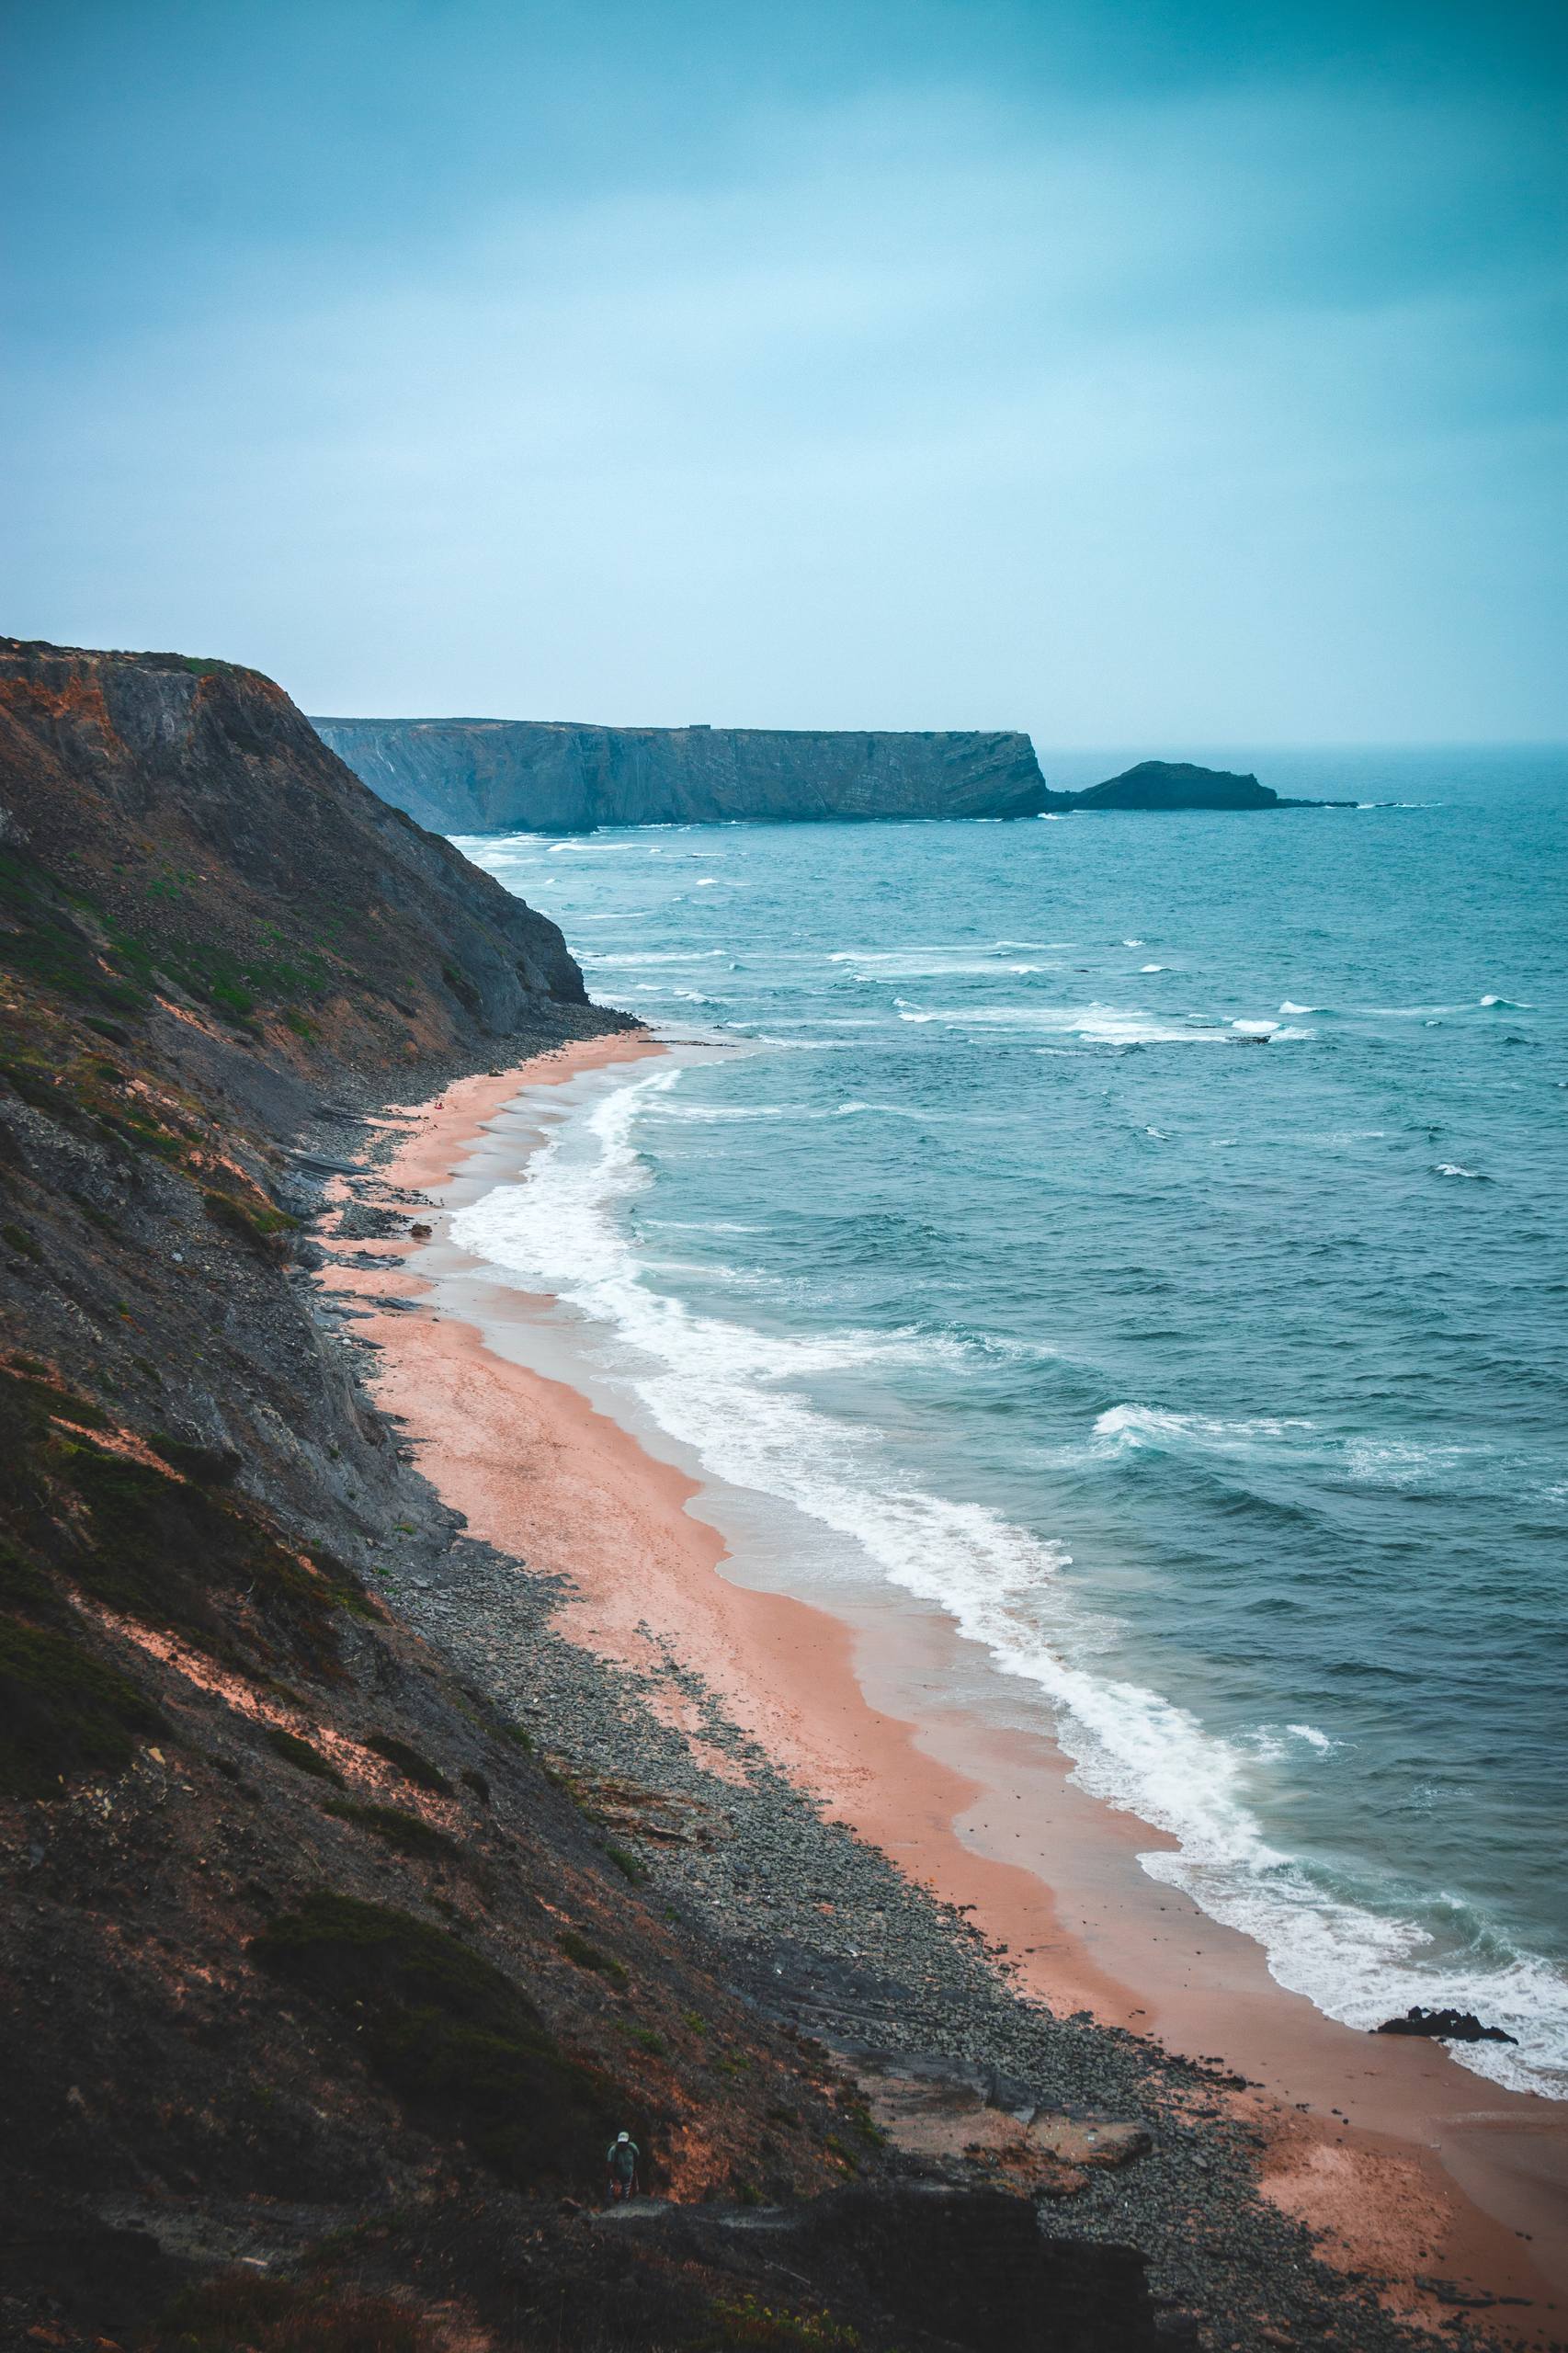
[1153, 968]
[734, 1395]
[611, 961]
[1105, 1025]
[1288, 1006]
[1452, 1168]
[1126, 1429]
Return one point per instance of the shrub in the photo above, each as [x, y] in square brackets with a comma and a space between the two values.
[747, 2321]
[588, 1956]
[260, 1225]
[63, 1713]
[163, 1552]
[245, 2313]
[409, 1832]
[300, 1754]
[409, 1762]
[451, 2034]
[210, 1466]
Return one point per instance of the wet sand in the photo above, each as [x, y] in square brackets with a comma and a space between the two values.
[1408, 2163]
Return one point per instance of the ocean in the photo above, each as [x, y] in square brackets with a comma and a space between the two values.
[1146, 1239]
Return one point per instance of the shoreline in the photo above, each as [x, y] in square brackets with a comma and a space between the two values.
[1412, 2165]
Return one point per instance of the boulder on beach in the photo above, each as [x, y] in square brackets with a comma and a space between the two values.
[1445, 2026]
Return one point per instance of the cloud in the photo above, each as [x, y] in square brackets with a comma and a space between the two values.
[1225, 411]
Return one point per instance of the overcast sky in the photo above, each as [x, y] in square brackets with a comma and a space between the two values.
[1131, 373]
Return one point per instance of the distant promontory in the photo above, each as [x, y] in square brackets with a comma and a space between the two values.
[484, 776]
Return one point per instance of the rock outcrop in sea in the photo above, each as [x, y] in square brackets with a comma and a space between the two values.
[1178, 784]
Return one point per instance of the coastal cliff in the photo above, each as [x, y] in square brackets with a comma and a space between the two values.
[347, 1907]
[213, 828]
[323, 1982]
[494, 776]
[488, 776]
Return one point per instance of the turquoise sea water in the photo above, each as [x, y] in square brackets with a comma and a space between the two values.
[1148, 1238]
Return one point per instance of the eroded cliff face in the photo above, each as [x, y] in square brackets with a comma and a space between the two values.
[490, 775]
[292, 1921]
[322, 1983]
[215, 842]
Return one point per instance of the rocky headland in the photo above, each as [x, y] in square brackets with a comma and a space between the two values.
[347, 1906]
[485, 776]
[488, 776]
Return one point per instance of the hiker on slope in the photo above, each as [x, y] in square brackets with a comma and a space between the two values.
[621, 2158]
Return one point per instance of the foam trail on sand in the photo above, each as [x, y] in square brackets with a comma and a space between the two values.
[736, 1396]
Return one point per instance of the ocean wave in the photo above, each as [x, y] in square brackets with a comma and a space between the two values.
[1453, 1168]
[1106, 1025]
[613, 962]
[1125, 1431]
[735, 1396]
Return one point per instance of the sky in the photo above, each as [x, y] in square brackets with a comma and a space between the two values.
[1144, 373]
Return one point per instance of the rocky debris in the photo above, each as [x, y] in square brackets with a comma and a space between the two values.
[364, 1222]
[1444, 2026]
[490, 775]
[930, 2263]
[824, 1938]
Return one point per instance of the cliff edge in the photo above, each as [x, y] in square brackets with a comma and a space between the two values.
[217, 850]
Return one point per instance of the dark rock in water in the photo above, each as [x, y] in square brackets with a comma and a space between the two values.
[487, 775]
[1446, 2026]
[1178, 784]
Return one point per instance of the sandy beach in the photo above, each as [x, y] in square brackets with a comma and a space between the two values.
[1409, 2165]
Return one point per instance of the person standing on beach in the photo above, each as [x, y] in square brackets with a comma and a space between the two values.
[621, 2158]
